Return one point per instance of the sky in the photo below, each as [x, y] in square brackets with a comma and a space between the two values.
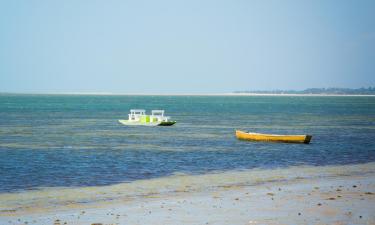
[192, 46]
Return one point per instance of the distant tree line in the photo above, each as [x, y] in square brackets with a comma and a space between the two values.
[328, 91]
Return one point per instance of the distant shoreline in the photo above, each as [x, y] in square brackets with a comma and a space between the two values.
[191, 94]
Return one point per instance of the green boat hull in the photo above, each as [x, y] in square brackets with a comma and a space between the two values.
[167, 123]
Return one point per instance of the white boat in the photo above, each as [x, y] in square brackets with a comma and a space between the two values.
[138, 117]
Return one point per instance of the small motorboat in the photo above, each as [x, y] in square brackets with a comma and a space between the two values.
[273, 137]
[138, 117]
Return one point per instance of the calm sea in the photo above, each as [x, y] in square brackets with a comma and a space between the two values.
[75, 140]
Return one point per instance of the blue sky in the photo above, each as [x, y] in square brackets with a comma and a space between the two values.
[192, 46]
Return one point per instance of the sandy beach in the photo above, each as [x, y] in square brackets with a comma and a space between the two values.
[297, 195]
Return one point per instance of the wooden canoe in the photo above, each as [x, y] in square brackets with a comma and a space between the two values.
[273, 137]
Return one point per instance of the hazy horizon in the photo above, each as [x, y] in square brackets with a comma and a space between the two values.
[185, 46]
[235, 92]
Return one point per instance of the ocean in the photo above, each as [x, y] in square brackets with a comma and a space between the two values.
[57, 141]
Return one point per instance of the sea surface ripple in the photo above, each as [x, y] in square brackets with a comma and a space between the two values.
[76, 140]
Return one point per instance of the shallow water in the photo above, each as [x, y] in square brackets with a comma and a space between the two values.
[64, 141]
[50, 199]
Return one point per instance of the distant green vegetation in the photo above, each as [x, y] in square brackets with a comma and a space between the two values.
[328, 91]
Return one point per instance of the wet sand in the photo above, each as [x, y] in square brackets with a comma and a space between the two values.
[306, 195]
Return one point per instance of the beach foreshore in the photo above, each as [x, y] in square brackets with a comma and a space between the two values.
[296, 195]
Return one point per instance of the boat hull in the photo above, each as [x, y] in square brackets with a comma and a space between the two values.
[305, 139]
[150, 124]
[167, 123]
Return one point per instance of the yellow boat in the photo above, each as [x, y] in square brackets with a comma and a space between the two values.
[273, 137]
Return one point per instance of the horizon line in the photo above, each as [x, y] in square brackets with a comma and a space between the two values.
[179, 94]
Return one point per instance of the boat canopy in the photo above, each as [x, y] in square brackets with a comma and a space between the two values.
[135, 114]
[138, 111]
[157, 112]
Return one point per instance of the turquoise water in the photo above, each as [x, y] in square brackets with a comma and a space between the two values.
[75, 140]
